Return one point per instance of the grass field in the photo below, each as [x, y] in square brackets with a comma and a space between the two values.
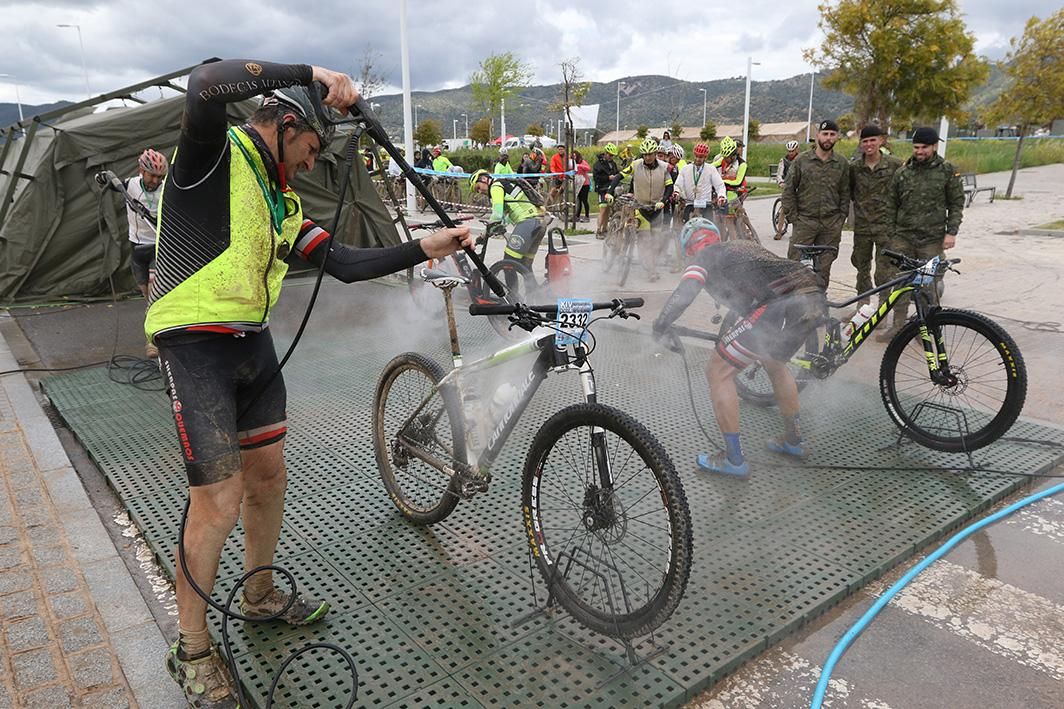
[978, 156]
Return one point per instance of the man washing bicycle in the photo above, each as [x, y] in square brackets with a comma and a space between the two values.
[778, 303]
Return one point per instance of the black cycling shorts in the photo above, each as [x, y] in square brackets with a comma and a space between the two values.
[526, 238]
[211, 378]
[142, 262]
[773, 331]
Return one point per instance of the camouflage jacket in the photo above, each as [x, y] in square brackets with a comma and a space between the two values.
[926, 201]
[870, 191]
[817, 189]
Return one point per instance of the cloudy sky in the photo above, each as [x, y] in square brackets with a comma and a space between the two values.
[129, 41]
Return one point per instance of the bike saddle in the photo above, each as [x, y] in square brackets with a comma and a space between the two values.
[442, 279]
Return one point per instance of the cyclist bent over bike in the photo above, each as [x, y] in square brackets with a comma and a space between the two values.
[510, 203]
[651, 185]
[777, 303]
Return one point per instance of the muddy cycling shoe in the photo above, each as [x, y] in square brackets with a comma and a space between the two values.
[799, 450]
[719, 463]
[204, 679]
[303, 612]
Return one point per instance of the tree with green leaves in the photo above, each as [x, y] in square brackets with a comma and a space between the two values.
[480, 132]
[899, 59]
[753, 130]
[641, 132]
[497, 79]
[534, 129]
[572, 92]
[846, 123]
[428, 133]
[1035, 64]
[709, 131]
[676, 130]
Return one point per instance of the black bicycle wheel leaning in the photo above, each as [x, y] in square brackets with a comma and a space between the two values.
[616, 556]
[627, 255]
[521, 287]
[753, 384]
[613, 244]
[985, 392]
[421, 492]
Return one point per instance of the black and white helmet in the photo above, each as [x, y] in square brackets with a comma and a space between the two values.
[305, 101]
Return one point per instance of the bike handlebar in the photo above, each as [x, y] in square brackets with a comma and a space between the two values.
[902, 260]
[507, 309]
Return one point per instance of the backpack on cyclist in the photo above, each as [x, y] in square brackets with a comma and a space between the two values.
[533, 197]
[559, 266]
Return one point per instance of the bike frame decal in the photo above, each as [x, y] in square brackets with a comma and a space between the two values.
[525, 391]
[859, 335]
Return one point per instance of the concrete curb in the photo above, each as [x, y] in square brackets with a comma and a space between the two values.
[137, 641]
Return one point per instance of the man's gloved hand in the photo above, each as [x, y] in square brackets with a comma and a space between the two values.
[659, 205]
[664, 336]
[721, 201]
[609, 198]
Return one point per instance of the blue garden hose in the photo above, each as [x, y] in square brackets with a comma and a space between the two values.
[860, 625]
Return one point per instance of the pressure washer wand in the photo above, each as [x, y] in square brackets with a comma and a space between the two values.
[361, 111]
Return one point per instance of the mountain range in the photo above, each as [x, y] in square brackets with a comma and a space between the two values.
[651, 100]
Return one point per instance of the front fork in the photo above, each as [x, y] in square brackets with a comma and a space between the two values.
[934, 344]
[599, 449]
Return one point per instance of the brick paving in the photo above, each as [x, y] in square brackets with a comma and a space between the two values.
[54, 647]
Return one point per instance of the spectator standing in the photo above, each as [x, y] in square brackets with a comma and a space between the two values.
[871, 173]
[502, 167]
[816, 197]
[559, 164]
[583, 185]
[606, 175]
[925, 211]
[142, 209]
[533, 164]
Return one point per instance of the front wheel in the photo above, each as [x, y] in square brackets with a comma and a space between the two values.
[422, 492]
[968, 404]
[607, 520]
[627, 255]
[779, 221]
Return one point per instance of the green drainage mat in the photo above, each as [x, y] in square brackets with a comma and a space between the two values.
[429, 613]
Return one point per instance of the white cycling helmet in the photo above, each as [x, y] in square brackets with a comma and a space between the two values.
[792, 145]
[677, 150]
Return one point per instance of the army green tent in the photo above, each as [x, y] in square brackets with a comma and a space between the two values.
[63, 236]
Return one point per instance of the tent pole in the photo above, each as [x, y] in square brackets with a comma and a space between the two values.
[9, 193]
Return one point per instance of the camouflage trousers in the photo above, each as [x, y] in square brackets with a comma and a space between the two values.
[922, 251]
[818, 233]
[864, 244]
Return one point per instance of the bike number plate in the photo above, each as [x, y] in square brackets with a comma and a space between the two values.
[573, 317]
[700, 204]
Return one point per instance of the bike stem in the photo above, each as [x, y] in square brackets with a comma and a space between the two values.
[361, 110]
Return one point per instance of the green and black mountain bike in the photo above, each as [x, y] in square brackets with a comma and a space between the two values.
[952, 380]
[604, 511]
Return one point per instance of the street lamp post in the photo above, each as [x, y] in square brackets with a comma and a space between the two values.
[454, 127]
[416, 107]
[809, 116]
[617, 127]
[746, 110]
[84, 66]
[18, 99]
[704, 95]
[466, 119]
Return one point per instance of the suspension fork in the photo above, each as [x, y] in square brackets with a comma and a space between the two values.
[934, 343]
[599, 449]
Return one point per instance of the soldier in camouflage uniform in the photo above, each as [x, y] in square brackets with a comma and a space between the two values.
[870, 179]
[816, 197]
[926, 206]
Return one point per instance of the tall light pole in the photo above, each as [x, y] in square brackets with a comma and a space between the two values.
[454, 127]
[408, 127]
[416, 107]
[18, 99]
[618, 126]
[84, 67]
[746, 110]
[809, 116]
[466, 119]
[704, 94]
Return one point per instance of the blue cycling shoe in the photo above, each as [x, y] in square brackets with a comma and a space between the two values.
[719, 463]
[799, 450]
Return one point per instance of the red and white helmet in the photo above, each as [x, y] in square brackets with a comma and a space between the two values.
[701, 150]
[153, 162]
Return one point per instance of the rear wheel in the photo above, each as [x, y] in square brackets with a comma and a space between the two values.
[627, 254]
[422, 492]
[607, 520]
[779, 221]
[983, 390]
[753, 384]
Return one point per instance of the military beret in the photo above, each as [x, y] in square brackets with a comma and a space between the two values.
[925, 136]
[829, 125]
[871, 131]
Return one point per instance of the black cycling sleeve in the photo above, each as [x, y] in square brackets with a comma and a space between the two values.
[348, 264]
[683, 296]
[210, 88]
